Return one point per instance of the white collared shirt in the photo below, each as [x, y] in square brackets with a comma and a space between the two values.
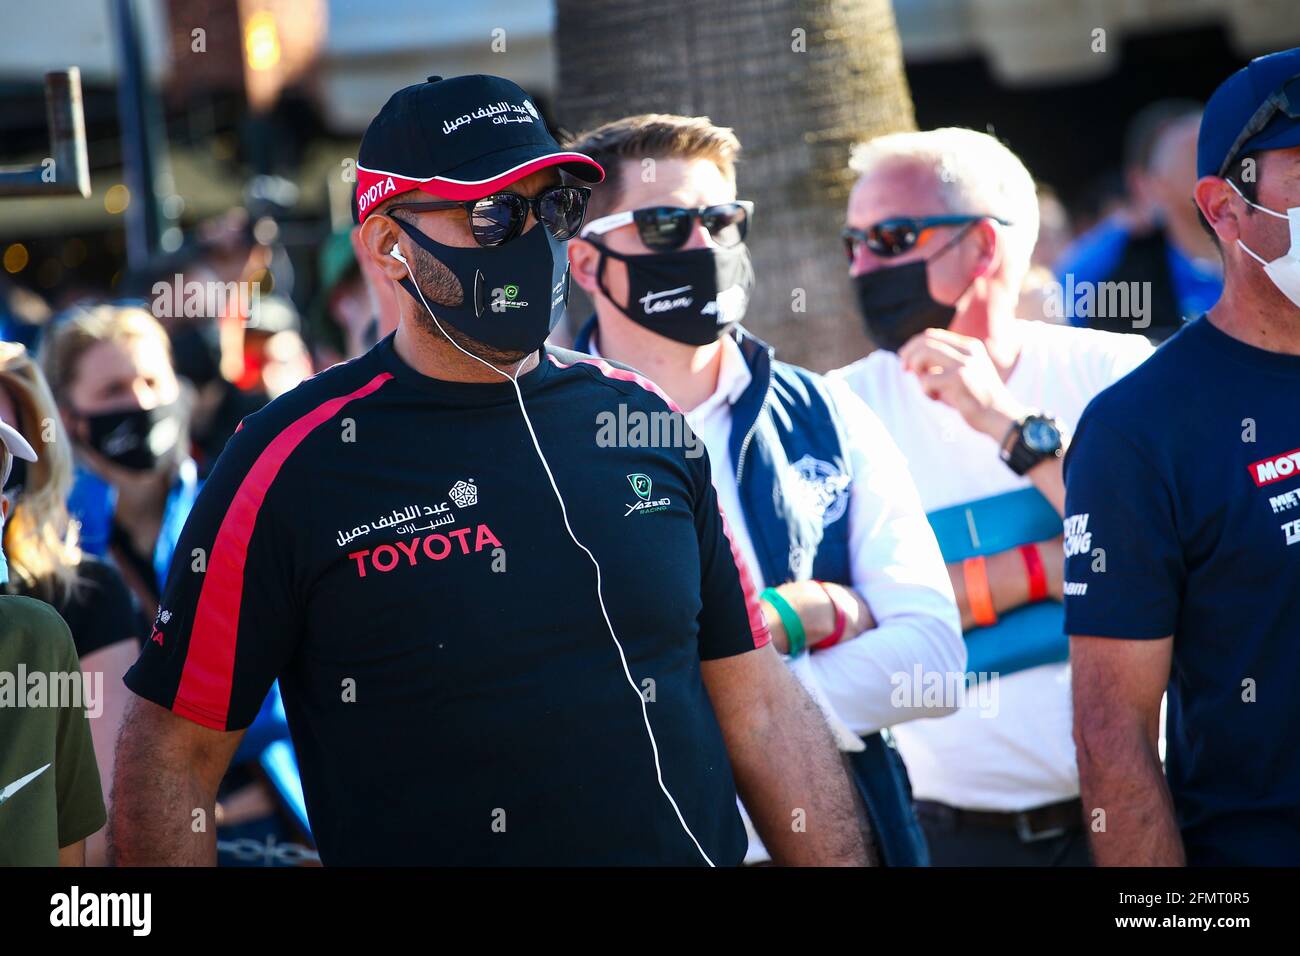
[1019, 753]
[895, 566]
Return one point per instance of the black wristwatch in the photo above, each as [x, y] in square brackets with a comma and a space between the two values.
[1031, 440]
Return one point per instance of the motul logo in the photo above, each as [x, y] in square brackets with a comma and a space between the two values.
[1276, 468]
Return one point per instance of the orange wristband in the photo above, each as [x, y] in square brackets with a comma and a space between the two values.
[976, 573]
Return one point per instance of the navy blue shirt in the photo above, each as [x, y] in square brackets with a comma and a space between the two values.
[1183, 482]
[389, 546]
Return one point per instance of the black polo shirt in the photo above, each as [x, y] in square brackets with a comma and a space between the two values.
[390, 547]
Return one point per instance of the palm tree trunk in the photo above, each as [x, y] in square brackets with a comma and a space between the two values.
[800, 81]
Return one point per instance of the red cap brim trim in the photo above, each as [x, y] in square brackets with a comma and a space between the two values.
[375, 185]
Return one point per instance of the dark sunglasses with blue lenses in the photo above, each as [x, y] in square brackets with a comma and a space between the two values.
[496, 219]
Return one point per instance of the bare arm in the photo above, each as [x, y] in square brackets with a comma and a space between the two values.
[812, 602]
[74, 854]
[165, 787]
[1117, 689]
[112, 661]
[1008, 579]
[1048, 477]
[788, 771]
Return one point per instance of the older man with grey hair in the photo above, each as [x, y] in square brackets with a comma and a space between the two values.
[940, 228]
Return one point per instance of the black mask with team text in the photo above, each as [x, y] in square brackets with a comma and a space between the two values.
[137, 439]
[691, 296]
[514, 293]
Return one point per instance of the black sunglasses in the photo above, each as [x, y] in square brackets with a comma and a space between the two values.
[1285, 100]
[664, 228]
[496, 219]
[893, 237]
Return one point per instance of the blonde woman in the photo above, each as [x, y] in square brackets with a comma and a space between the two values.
[40, 542]
[111, 373]
[110, 370]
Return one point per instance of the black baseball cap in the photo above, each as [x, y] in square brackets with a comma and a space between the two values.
[459, 138]
[1237, 101]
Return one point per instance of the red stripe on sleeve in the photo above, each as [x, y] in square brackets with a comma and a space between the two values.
[757, 623]
[203, 695]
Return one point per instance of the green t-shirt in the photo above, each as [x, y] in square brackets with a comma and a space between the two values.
[50, 794]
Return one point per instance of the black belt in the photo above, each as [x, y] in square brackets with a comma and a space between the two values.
[1040, 823]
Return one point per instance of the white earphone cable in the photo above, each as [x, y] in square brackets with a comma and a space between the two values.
[513, 379]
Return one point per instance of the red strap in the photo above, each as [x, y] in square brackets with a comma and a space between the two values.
[1037, 574]
[841, 619]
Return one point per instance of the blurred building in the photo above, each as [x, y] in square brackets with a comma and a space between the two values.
[284, 88]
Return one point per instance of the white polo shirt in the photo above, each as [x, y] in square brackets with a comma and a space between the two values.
[1022, 756]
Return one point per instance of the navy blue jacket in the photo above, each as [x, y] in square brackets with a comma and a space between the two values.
[785, 429]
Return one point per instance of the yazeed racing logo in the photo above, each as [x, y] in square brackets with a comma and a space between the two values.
[507, 297]
[642, 485]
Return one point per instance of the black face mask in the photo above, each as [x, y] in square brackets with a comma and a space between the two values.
[136, 439]
[196, 351]
[514, 294]
[896, 304]
[691, 296]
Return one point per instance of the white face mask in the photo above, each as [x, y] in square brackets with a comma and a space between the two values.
[1284, 270]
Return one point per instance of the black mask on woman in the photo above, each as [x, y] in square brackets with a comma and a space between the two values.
[136, 439]
[896, 304]
[691, 296]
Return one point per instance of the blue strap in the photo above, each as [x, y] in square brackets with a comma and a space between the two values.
[1029, 636]
[180, 501]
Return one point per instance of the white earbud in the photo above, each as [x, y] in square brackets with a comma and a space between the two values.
[396, 253]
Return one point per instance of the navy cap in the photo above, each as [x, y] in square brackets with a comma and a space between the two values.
[459, 138]
[1235, 102]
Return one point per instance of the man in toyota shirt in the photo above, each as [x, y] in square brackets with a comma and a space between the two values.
[1183, 531]
[498, 642]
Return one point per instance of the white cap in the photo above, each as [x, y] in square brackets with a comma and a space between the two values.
[18, 448]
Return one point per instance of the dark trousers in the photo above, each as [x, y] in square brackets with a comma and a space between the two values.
[954, 842]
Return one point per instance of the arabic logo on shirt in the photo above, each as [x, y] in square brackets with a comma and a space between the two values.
[823, 488]
[464, 493]
[402, 521]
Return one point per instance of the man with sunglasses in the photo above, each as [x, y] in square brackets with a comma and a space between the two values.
[498, 643]
[819, 501]
[941, 227]
[1187, 475]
